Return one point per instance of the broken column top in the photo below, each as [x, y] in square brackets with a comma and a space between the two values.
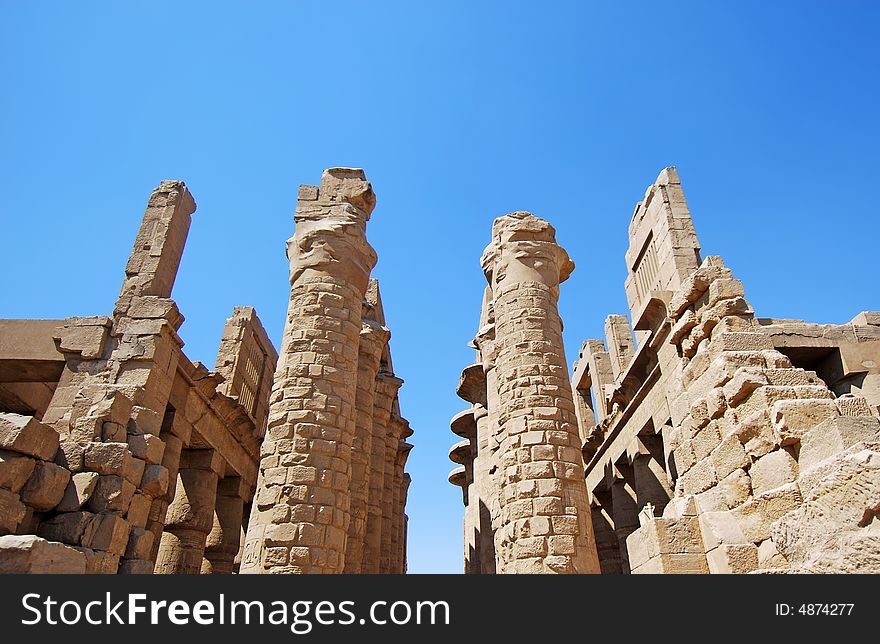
[534, 236]
[152, 265]
[340, 185]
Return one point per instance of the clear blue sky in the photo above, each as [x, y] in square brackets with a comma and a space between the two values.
[459, 112]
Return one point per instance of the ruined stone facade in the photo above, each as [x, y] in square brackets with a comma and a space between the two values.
[120, 455]
[713, 441]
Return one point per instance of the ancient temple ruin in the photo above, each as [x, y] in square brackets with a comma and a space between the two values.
[713, 441]
[120, 455]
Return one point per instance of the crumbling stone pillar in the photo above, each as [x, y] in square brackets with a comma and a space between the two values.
[223, 541]
[398, 505]
[385, 393]
[400, 565]
[301, 510]
[190, 516]
[620, 343]
[109, 406]
[373, 340]
[397, 427]
[545, 521]
[607, 545]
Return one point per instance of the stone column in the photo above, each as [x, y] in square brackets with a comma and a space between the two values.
[398, 504]
[301, 510]
[404, 494]
[625, 510]
[373, 341]
[649, 475]
[545, 523]
[223, 541]
[397, 426]
[190, 516]
[385, 393]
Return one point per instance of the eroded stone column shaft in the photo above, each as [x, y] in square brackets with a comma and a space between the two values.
[545, 521]
[373, 340]
[190, 516]
[301, 510]
[396, 427]
[223, 541]
[385, 392]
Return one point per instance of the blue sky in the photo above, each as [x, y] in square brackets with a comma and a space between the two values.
[459, 112]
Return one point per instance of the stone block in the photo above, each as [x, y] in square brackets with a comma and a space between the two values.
[155, 480]
[706, 440]
[729, 456]
[27, 435]
[71, 455]
[793, 418]
[147, 447]
[833, 436]
[773, 470]
[683, 564]
[12, 511]
[732, 559]
[30, 554]
[735, 488]
[743, 383]
[139, 510]
[67, 527]
[719, 528]
[111, 493]
[849, 405]
[756, 515]
[45, 487]
[15, 470]
[140, 542]
[78, 491]
[699, 478]
[106, 532]
[108, 458]
[99, 562]
[769, 557]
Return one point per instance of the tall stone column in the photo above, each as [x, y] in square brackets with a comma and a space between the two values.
[301, 510]
[385, 393]
[373, 340]
[401, 487]
[223, 541]
[545, 522]
[396, 429]
[190, 516]
[625, 509]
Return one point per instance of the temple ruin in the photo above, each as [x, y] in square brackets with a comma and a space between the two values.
[120, 455]
[712, 441]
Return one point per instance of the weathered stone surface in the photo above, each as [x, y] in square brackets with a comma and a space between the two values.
[26, 435]
[835, 529]
[78, 491]
[45, 487]
[31, 554]
[15, 469]
[774, 470]
[12, 511]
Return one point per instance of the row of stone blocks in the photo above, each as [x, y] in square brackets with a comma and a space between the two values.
[773, 472]
[56, 493]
